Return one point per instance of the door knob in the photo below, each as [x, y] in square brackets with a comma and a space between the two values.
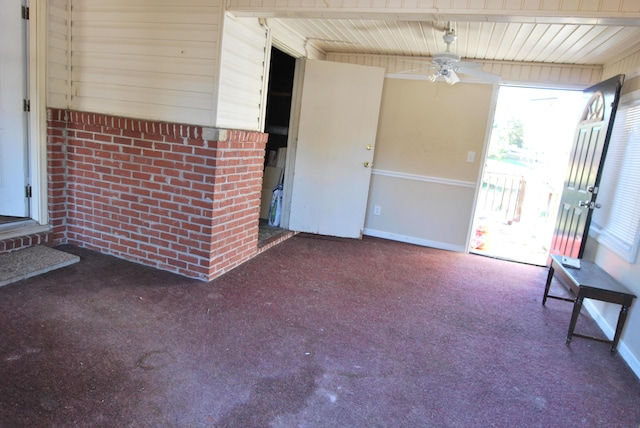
[367, 164]
[590, 205]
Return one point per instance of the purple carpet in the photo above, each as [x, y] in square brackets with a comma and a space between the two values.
[314, 332]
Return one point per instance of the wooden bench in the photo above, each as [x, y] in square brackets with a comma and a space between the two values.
[589, 282]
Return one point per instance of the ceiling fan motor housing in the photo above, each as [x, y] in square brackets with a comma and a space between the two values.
[447, 64]
[445, 57]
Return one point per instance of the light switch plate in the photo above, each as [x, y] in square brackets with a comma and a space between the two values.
[471, 157]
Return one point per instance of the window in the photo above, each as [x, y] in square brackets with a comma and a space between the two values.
[617, 222]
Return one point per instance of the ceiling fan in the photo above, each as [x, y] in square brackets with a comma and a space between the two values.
[447, 65]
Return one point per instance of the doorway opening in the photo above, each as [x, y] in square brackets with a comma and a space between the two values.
[278, 114]
[524, 172]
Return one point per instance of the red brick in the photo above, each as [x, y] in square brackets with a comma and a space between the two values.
[104, 138]
[94, 198]
[151, 153]
[132, 150]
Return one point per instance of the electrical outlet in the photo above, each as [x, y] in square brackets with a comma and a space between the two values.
[377, 210]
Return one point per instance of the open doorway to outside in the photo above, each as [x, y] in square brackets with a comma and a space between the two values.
[524, 172]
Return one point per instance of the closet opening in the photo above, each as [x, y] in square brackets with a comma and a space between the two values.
[278, 113]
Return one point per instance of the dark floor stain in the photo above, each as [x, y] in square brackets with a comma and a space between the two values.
[272, 397]
[154, 360]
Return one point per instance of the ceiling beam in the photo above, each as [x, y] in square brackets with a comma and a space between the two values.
[614, 12]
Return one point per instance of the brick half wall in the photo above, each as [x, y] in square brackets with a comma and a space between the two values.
[181, 198]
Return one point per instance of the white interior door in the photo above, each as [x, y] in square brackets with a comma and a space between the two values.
[337, 128]
[13, 143]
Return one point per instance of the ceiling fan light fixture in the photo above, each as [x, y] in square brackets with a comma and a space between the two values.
[451, 77]
[448, 75]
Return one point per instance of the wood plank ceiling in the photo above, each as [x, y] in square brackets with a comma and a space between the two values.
[556, 43]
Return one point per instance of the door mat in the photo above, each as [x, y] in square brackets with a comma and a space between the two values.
[32, 261]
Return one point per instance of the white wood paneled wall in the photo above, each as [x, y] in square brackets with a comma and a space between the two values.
[629, 65]
[155, 62]
[57, 54]
[174, 60]
[127, 58]
[243, 75]
[562, 76]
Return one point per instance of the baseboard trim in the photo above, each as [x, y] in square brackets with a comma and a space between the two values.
[413, 240]
[632, 361]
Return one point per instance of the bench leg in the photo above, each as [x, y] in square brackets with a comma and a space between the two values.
[621, 319]
[574, 317]
[548, 285]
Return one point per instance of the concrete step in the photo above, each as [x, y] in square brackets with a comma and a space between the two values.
[32, 261]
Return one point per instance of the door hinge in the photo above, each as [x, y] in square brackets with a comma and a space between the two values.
[26, 105]
[28, 191]
[25, 12]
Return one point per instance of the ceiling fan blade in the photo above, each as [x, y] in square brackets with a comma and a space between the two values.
[416, 61]
[470, 64]
[411, 71]
[478, 74]
[413, 67]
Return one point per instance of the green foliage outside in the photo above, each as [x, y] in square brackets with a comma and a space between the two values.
[507, 141]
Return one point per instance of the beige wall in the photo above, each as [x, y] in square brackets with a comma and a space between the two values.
[427, 128]
[420, 212]
[421, 180]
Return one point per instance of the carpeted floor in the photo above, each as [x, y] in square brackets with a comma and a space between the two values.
[314, 332]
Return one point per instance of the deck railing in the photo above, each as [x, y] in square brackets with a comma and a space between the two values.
[501, 196]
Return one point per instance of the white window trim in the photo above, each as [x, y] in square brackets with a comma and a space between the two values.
[603, 234]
